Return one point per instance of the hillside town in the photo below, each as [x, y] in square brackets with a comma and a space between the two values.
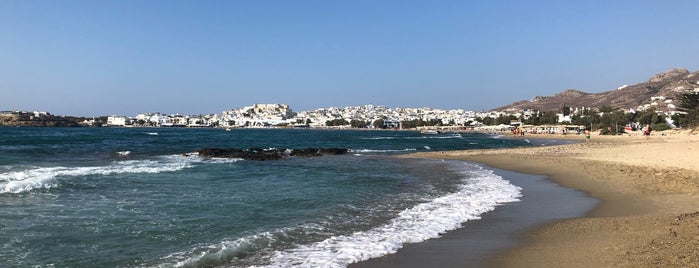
[668, 100]
[367, 116]
[281, 115]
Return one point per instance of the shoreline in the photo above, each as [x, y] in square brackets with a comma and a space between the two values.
[648, 191]
[648, 210]
[478, 241]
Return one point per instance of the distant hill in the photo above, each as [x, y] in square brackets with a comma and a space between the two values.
[39, 119]
[667, 84]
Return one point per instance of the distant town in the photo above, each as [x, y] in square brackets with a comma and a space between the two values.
[660, 111]
[279, 115]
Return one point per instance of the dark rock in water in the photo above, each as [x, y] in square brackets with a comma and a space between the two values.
[260, 154]
[249, 154]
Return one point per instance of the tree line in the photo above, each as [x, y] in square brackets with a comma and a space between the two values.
[606, 117]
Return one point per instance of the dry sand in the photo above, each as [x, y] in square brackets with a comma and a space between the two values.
[649, 192]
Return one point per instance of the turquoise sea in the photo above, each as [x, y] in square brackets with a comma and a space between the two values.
[130, 197]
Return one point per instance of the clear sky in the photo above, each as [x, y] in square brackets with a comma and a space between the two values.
[194, 57]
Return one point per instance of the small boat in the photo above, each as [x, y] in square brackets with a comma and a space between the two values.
[228, 129]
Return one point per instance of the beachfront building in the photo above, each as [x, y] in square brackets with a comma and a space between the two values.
[209, 120]
[115, 120]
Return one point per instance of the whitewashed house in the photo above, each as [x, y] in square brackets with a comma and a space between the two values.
[115, 120]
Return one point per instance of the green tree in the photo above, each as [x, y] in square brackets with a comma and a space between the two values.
[504, 119]
[358, 123]
[488, 121]
[661, 126]
[606, 109]
[336, 122]
[590, 120]
[615, 120]
[689, 103]
[379, 123]
[649, 117]
[548, 118]
[420, 123]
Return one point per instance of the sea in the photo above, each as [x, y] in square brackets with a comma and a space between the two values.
[137, 197]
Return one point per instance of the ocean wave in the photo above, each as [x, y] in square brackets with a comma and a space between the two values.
[224, 252]
[480, 192]
[451, 136]
[45, 177]
[446, 136]
[382, 151]
[219, 254]
[380, 138]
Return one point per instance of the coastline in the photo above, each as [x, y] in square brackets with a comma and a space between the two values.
[478, 241]
[648, 210]
[649, 201]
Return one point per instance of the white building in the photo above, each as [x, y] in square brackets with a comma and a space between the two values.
[116, 120]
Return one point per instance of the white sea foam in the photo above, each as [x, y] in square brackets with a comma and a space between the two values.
[45, 177]
[219, 160]
[380, 138]
[481, 192]
[382, 151]
[453, 136]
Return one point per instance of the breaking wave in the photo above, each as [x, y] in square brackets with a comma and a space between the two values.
[480, 192]
[46, 177]
[383, 151]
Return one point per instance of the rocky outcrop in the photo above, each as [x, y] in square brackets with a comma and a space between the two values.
[259, 154]
[674, 73]
[311, 152]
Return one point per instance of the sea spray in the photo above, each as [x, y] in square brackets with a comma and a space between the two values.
[44, 177]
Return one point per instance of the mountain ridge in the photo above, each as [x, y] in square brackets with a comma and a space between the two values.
[667, 84]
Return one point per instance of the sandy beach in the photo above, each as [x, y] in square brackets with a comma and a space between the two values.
[648, 215]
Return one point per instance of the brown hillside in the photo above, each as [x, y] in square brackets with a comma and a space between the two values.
[668, 84]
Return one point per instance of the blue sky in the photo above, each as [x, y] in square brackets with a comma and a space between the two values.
[194, 57]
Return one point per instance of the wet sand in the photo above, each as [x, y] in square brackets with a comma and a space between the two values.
[647, 215]
[480, 241]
